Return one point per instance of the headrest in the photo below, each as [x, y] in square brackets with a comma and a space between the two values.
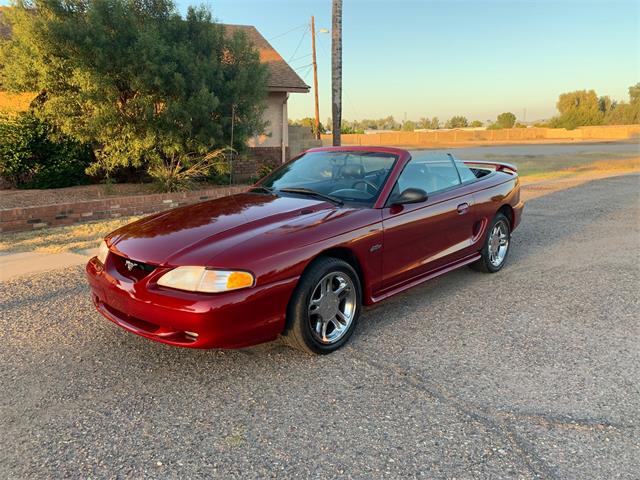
[353, 171]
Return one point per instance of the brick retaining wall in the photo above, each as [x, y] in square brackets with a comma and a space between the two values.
[248, 166]
[29, 218]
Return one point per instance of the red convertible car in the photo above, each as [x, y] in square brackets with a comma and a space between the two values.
[305, 248]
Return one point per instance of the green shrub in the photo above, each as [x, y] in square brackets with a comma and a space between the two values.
[264, 169]
[179, 175]
[33, 155]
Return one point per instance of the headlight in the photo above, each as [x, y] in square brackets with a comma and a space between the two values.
[103, 251]
[201, 279]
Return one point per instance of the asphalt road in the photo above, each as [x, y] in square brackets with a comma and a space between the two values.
[533, 372]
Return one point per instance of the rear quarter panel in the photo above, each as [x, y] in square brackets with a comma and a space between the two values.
[493, 192]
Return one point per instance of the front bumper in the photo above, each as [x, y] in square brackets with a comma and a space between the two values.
[228, 320]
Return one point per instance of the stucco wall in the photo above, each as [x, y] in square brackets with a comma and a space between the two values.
[301, 139]
[512, 135]
[274, 116]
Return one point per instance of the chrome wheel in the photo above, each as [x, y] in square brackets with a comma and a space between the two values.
[332, 307]
[498, 243]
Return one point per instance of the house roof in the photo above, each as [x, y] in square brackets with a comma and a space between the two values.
[282, 78]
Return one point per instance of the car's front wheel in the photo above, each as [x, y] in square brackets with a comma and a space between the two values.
[325, 307]
[496, 247]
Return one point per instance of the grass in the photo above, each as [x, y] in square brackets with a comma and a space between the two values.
[70, 238]
[529, 165]
[597, 168]
[531, 169]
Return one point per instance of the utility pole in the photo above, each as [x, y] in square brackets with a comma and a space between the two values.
[336, 70]
[315, 74]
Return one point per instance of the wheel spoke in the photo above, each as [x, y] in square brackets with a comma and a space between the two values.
[331, 308]
[342, 289]
[323, 289]
[324, 331]
[498, 243]
[337, 324]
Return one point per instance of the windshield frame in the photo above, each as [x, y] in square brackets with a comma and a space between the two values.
[395, 155]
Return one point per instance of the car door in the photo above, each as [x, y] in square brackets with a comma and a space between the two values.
[422, 237]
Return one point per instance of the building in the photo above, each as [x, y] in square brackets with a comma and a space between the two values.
[273, 145]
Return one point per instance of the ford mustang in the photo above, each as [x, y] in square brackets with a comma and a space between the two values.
[301, 252]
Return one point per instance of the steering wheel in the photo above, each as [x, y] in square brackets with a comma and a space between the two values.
[367, 184]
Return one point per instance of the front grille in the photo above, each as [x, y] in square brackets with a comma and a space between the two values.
[132, 269]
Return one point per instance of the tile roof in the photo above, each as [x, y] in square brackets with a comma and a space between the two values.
[282, 77]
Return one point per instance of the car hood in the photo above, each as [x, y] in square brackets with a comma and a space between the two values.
[188, 235]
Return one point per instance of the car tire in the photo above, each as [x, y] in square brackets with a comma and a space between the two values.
[496, 246]
[324, 308]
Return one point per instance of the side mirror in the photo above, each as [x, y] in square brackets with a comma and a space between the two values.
[410, 195]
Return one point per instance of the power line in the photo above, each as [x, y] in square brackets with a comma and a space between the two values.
[300, 58]
[308, 72]
[304, 34]
[304, 66]
[287, 32]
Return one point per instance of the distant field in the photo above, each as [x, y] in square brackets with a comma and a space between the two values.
[534, 160]
[534, 165]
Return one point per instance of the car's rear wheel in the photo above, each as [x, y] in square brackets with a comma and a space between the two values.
[496, 247]
[325, 307]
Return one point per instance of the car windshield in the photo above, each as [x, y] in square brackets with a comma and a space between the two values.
[355, 176]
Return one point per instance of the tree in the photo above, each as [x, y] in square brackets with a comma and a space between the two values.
[350, 127]
[432, 124]
[336, 70]
[504, 120]
[409, 126]
[457, 121]
[578, 108]
[133, 79]
[634, 93]
[310, 123]
[623, 113]
[476, 124]
[605, 104]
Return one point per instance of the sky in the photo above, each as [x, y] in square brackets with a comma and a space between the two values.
[413, 59]
[443, 58]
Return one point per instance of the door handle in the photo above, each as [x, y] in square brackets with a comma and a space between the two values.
[463, 208]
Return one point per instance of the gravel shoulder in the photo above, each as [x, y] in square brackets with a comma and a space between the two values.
[530, 373]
